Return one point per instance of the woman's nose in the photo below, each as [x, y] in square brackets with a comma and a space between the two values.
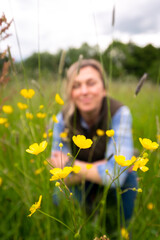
[84, 89]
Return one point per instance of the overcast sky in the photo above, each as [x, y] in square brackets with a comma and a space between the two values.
[60, 24]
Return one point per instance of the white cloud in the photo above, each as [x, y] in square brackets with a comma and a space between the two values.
[70, 23]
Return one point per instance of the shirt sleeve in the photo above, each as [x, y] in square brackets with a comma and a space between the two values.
[122, 126]
[58, 128]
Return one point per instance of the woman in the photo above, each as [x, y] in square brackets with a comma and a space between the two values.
[87, 109]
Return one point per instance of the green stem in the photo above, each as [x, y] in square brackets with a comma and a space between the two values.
[75, 157]
[56, 219]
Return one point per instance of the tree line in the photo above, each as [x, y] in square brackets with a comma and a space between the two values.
[118, 60]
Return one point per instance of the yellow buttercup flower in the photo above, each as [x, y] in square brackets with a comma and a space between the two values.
[89, 166]
[63, 134]
[22, 106]
[81, 141]
[45, 135]
[35, 206]
[29, 115]
[158, 137]
[41, 115]
[41, 106]
[124, 233]
[140, 163]
[121, 160]
[36, 149]
[100, 132]
[57, 184]
[150, 206]
[45, 162]
[139, 190]
[3, 120]
[59, 99]
[59, 173]
[54, 118]
[110, 133]
[50, 134]
[61, 145]
[1, 180]
[7, 109]
[76, 169]
[38, 171]
[148, 144]
[6, 124]
[27, 93]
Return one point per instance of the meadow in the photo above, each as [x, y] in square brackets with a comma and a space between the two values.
[24, 177]
[27, 210]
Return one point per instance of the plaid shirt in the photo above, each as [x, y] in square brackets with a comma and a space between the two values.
[122, 126]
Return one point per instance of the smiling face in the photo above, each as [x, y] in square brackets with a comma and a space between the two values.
[88, 90]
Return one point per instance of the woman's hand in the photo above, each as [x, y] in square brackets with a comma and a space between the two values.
[58, 159]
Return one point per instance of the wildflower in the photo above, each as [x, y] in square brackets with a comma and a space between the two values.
[89, 166]
[59, 173]
[145, 155]
[139, 190]
[124, 233]
[61, 145]
[81, 141]
[148, 144]
[110, 133]
[50, 134]
[57, 184]
[22, 106]
[41, 115]
[6, 124]
[121, 160]
[45, 162]
[1, 181]
[63, 134]
[100, 132]
[59, 99]
[158, 137]
[45, 135]
[140, 163]
[7, 109]
[69, 155]
[29, 115]
[41, 106]
[76, 169]
[35, 206]
[106, 171]
[27, 93]
[36, 149]
[150, 206]
[54, 118]
[3, 120]
[38, 171]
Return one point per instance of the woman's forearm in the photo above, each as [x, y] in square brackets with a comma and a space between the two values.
[88, 174]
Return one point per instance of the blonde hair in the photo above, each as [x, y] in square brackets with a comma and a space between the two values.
[72, 72]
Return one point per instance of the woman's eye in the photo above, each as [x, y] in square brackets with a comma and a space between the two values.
[91, 83]
[76, 85]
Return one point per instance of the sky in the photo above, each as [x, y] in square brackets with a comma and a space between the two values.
[53, 25]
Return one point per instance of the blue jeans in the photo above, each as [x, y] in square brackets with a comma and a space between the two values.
[95, 190]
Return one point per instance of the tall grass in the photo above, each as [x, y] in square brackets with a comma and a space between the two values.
[21, 187]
